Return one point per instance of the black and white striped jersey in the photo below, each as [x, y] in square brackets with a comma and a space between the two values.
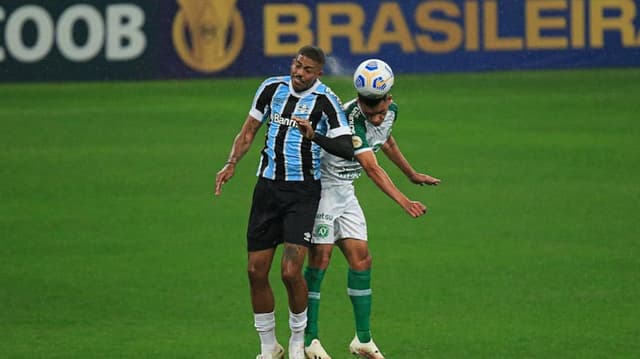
[287, 155]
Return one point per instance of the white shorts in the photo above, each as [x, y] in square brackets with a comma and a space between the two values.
[339, 216]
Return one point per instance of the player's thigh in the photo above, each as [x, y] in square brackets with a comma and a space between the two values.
[351, 223]
[330, 208]
[301, 205]
[265, 228]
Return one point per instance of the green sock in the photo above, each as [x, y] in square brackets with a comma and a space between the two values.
[314, 278]
[359, 289]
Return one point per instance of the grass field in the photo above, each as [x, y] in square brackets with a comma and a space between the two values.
[113, 246]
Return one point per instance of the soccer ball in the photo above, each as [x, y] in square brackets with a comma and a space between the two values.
[373, 78]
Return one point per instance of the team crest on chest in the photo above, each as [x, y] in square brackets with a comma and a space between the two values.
[302, 109]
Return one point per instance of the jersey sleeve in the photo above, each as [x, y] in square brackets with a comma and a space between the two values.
[360, 143]
[337, 119]
[260, 107]
[394, 108]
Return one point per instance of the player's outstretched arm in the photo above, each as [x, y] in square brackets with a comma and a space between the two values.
[392, 151]
[241, 145]
[378, 175]
[341, 146]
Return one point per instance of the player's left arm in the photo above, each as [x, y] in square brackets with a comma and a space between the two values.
[340, 146]
[337, 140]
[392, 151]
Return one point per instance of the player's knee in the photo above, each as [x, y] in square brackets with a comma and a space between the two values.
[257, 274]
[368, 260]
[362, 263]
[291, 275]
[320, 259]
[323, 262]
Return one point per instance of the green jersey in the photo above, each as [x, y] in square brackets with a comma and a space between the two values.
[366, 137]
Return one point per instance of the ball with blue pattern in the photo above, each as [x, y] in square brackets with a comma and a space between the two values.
[373, 78]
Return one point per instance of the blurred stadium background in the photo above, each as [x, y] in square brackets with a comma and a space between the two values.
[115, 117]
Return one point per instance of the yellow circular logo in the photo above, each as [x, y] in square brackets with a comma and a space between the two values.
[357, 141]
[208, 34]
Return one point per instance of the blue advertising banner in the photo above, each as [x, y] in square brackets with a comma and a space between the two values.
[135, 39]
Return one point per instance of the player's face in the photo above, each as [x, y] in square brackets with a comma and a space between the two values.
[376, 114]
[304, 72]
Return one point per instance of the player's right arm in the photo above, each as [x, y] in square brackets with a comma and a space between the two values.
[241, 145]
[369, 163]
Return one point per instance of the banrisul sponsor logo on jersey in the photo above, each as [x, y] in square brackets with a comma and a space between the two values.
[284, 121]
[77, 32]
[208, 34]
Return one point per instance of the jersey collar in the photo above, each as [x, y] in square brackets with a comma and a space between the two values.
[305, 92]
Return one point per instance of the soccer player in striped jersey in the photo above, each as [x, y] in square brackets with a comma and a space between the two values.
[302, 116]
[340, 219]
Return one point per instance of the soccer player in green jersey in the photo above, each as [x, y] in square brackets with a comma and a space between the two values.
[340, 220]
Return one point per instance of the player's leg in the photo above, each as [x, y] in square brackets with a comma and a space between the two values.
[301, 201]
[292, 262]
[263, 234]
[355, 248]
[332, 204]
[359, 288]
[317, 264]
[263, 303]
[291, 273]
[258, 267]
[359, 283]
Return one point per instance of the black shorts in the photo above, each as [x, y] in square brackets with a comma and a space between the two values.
[282, 211]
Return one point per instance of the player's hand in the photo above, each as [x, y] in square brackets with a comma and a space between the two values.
[422, 179]
[415, 209]
[305, 127]
[224, 175]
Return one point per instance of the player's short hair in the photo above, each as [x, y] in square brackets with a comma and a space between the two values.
[372, 101]
[313, 52]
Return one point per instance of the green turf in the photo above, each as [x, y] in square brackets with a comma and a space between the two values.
[113, 246]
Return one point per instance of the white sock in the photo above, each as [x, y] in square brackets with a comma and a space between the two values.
[265, 324]
[297, 323]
